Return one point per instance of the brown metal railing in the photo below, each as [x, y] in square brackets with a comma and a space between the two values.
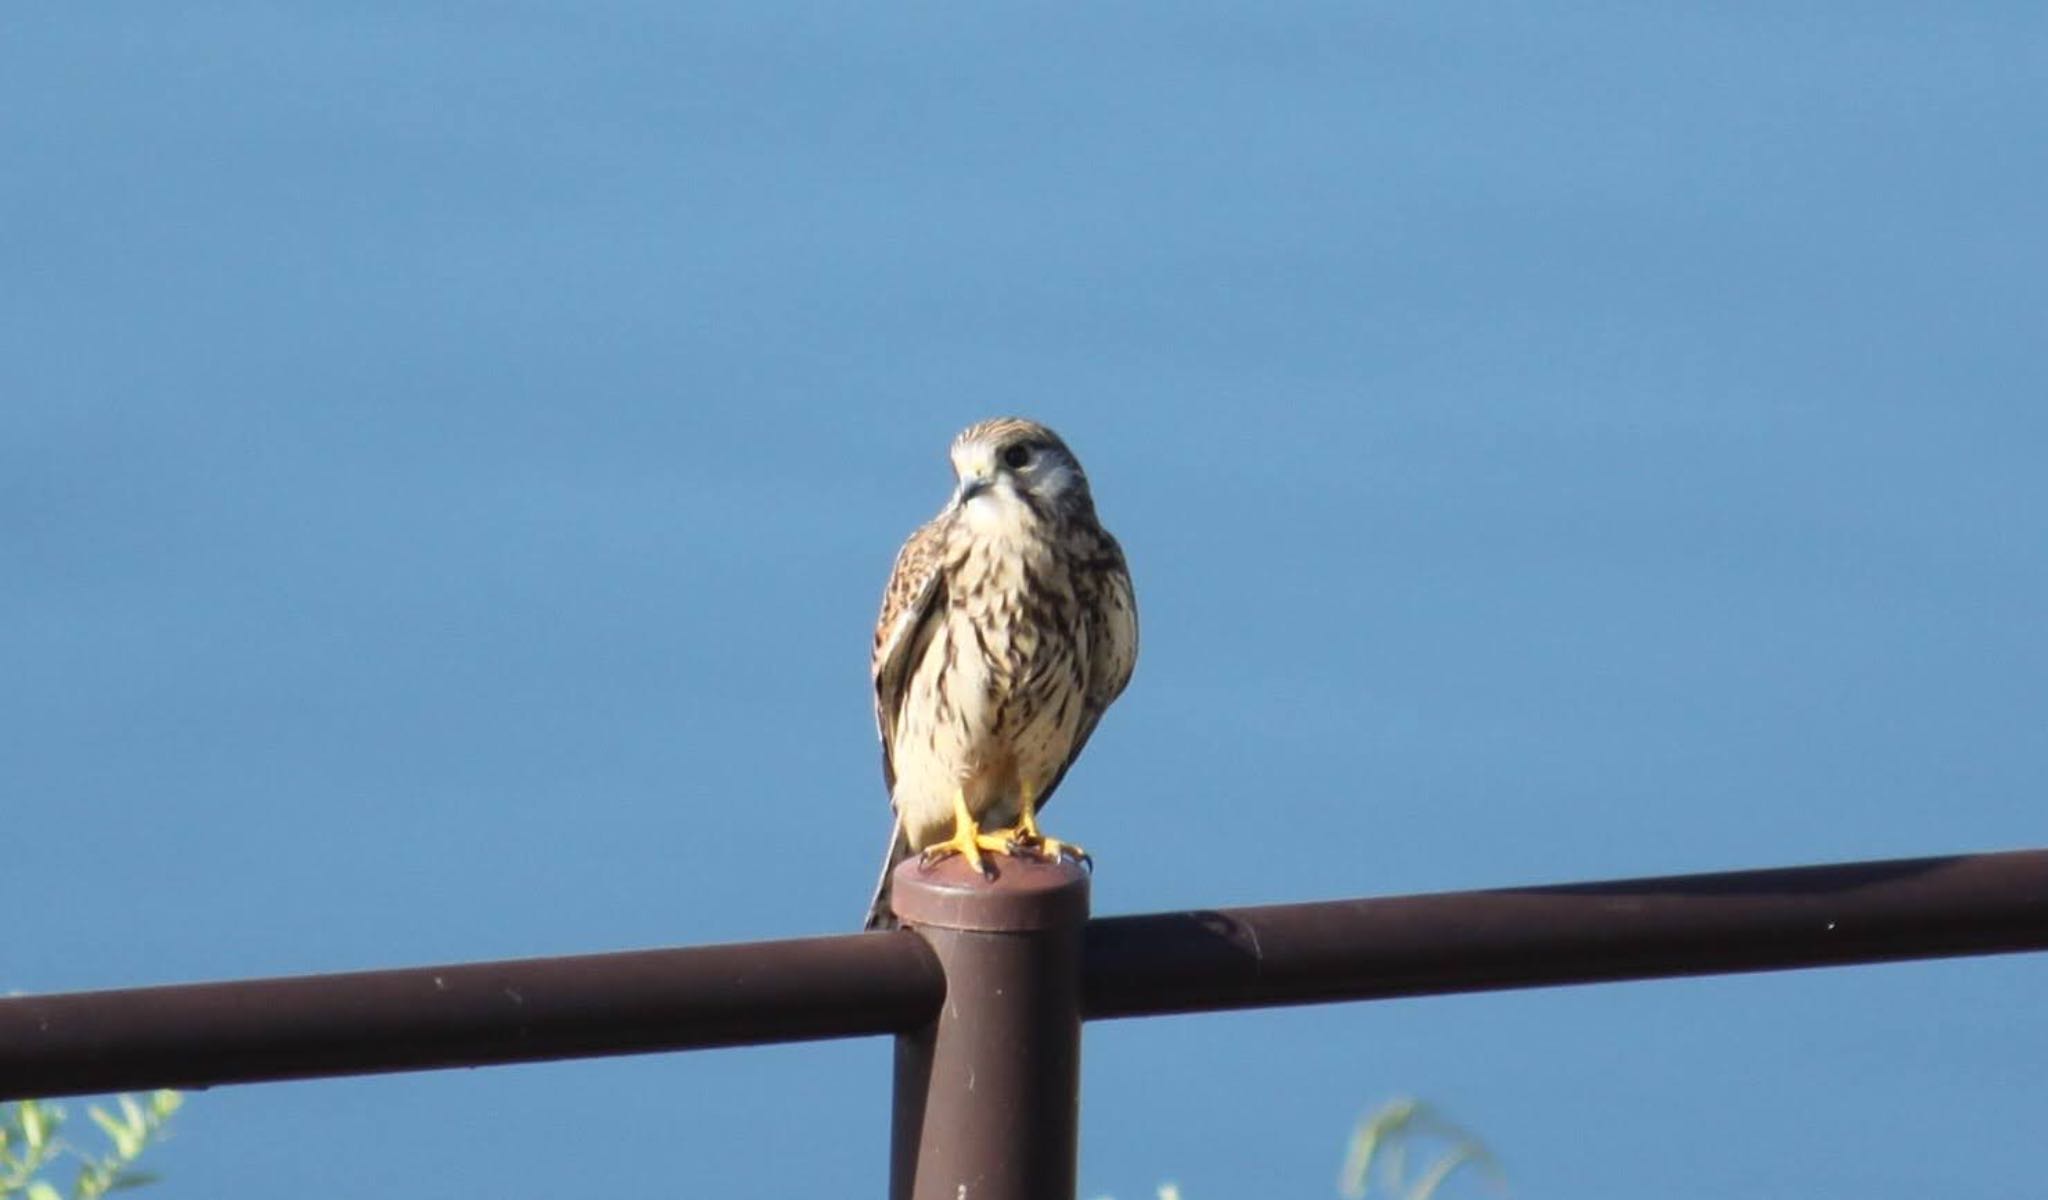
[992, 982]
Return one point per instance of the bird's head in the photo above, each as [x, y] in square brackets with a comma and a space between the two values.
[1011, 467]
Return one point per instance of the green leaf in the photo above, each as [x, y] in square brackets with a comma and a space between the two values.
[42, 1191]
[163, 1102]
[1425, 1188]
[93, 1179]
[127, 1138]
[133, 1179]
[34, 1126]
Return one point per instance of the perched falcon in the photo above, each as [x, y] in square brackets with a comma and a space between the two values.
[1007, 628]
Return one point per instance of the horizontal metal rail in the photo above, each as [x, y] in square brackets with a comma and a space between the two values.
[471, 1015]
[863, 984]
[1571, 933]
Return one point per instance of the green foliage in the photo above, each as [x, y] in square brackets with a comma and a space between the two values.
[33, 1149]
[1386, 1142]
[1389, 1137]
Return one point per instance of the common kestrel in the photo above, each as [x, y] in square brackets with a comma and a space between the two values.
[1007, 628]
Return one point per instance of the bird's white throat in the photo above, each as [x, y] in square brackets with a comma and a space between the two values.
[999, 515]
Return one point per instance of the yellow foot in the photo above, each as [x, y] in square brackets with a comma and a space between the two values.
[968, 840]
[1024, 835]
[969, 847]
[1018, 840]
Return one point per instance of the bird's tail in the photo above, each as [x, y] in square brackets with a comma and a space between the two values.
[880, 914]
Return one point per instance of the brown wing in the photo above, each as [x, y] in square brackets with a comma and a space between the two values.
[914, 596]
[1110, 610]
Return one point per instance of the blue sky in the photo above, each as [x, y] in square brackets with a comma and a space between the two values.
[450, 455]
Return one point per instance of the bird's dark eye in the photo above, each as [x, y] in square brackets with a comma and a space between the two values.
[1017, 457]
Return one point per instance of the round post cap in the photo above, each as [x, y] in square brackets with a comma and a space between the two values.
[1026, 894]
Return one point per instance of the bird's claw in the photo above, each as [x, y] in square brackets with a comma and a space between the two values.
[1068, 852]
[1019, 843]
[930, 858]
[975, 849]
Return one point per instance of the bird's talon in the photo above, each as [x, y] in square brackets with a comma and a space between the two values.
[969, 841]
[1057, 851]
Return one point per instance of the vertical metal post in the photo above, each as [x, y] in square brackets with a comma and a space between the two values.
[988, 1096]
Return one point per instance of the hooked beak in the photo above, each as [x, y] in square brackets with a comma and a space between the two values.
[970, 487]
[975, 467]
